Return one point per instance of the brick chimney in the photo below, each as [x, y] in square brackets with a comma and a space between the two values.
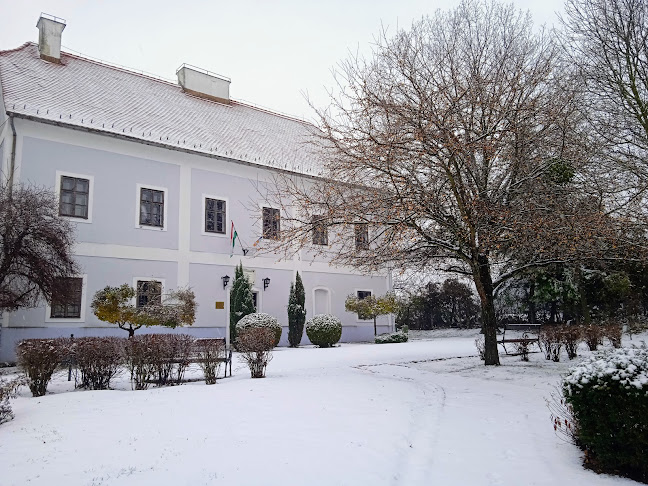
[50, 29]
[202, 83]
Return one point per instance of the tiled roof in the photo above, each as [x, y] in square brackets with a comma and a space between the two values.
[84, 93]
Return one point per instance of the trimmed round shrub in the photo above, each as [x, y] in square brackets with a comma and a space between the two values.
[39, 359]
[324, 330]
[608, 393]
[260, 320]
[392, 337]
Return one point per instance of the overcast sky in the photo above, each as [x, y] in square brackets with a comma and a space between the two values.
[274, 50]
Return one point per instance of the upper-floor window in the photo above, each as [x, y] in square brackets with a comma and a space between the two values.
[271, 223]
[361, 236]
[151, 207]
[74, 197]
[148, 292]
[215, 218]
[320, 230]
[69, 306]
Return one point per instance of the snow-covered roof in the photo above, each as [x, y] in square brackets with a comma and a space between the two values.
[81, 92]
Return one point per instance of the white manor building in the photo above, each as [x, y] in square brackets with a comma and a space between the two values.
[154, 174]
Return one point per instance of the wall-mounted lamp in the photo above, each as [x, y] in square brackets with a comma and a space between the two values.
[225, 280]
[266, 283]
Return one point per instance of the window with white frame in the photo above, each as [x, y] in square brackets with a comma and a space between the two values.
[151, 207]
[271, 223]
[215, 216]
[68, 304]
[148, 292]
[74, 197]
[363, 294]
[361, 236]
[320, 230]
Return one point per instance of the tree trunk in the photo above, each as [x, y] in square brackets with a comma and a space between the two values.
[532, 304]
[375, 327]
[131, 333]
[484, 284]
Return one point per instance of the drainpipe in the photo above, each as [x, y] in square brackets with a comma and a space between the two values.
[12, 162]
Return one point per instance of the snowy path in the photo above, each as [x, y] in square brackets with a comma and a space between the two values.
[404, 414]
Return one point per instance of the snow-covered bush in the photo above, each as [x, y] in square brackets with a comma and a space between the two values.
[38, 359]
[393, 337]
[324, 330]
[608, 393]
[98, 360]
[8, 390]
[255, 345]
[260, 320]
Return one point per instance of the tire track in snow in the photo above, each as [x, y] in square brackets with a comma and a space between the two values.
[416, 461]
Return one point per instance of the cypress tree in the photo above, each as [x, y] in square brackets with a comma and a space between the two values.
[241, 301]
[296, 312]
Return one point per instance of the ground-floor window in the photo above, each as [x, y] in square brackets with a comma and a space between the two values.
[68, 307]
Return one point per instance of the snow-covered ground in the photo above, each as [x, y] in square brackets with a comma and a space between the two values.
[425, 412]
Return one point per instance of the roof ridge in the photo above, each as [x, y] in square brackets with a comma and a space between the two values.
[19, 48]
[153, 77]
[84, 57]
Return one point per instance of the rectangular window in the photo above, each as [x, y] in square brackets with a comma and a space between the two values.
[151, 207]
[363, 294]
[70, 306]
[320, 230]
[255, 300]
[74, 196]
[271, 226]
[361, 236]
[148, 292]
[215, 216]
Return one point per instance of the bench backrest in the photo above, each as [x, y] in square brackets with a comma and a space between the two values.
[522, 327]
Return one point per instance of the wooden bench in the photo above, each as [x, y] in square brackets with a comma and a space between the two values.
[524, 328]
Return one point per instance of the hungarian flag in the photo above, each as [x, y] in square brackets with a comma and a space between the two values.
[233, 236]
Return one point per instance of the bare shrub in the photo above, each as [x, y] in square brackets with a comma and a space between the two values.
[8, 390]
[183, 348]
[562, 416]
[550, 342]
[158, 358]
[593, 336]
[38, 359]
[522, 347]
[138, 354]
[612, 332]
[479, 344]
[571, 337]
[98, 360]
[636, 324]
[210, 353]
[255, 346]
[161, 349]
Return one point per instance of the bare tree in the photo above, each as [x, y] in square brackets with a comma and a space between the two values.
[608, 42]
[457, 144]
[36, 258]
